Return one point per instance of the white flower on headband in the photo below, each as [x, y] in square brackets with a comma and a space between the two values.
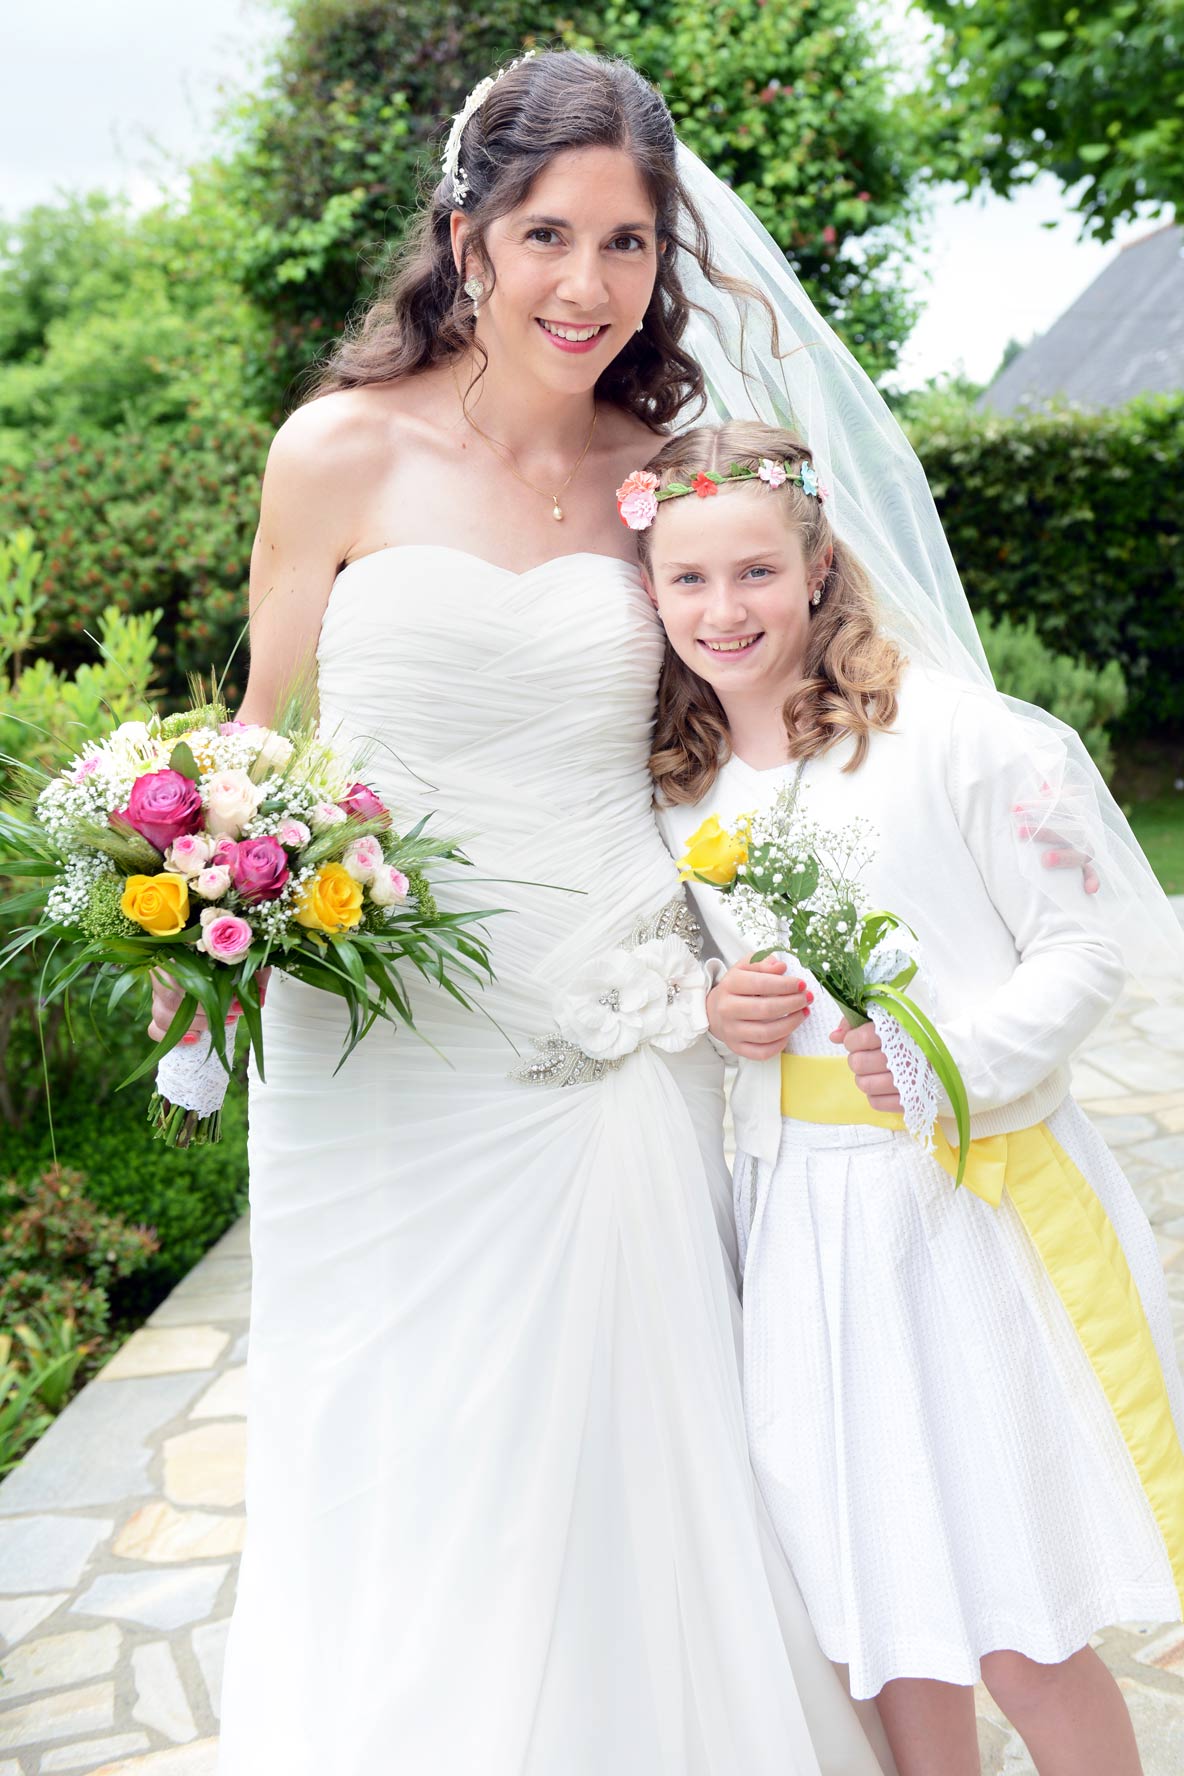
[450, 159]
[772, 472]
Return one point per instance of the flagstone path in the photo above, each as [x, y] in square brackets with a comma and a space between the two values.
[120, 1532]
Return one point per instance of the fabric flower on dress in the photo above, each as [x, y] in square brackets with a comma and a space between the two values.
[615, 1003]
[686, 991]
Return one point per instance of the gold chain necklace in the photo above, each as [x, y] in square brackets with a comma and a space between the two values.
[503, 452]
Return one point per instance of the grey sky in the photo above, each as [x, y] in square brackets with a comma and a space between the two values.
[115, 93]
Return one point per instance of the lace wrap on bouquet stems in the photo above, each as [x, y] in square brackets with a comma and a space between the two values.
[191, 1086]
[650, 990]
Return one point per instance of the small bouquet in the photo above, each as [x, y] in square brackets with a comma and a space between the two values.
[208, 849]
[795, 887]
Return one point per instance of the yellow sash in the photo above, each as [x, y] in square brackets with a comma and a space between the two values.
[1080, 1252]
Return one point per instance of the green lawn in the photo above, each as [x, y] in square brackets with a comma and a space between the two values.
[1159, 828]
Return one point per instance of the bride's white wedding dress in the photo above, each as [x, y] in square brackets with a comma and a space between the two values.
[501, 1520]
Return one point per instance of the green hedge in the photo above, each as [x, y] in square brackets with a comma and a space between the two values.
[187, 1198]
[1075, 521]
[162, 519]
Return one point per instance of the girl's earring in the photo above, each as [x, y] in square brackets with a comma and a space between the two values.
[816, 596]
[474, 290]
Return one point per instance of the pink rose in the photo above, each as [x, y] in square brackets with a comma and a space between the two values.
[362, 857]
[293, 834]
[260, 868]
[389, 887]
[188, 855]
[324, 815]
[224, 936]
[162, 806]
[83, 769]
[361, 803]
[212, 883]
[237, 727]
[638, 509]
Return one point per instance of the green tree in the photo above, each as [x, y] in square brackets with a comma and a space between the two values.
[792, 101]
[1092, 92]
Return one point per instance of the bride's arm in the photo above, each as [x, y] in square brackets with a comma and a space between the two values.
[307, 518]
[307, 522]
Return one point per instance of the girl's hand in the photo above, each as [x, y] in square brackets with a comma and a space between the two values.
[755, 1008]
[865, 1057]
[167, 996]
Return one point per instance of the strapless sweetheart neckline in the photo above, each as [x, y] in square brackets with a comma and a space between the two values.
[483, 561]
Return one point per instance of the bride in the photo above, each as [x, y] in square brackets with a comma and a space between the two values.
[501, 1515]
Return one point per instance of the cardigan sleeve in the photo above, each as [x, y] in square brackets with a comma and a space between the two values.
[1068, 970]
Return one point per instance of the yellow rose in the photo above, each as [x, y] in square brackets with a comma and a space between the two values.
[329, 901]
[159, 903]
[713, 854]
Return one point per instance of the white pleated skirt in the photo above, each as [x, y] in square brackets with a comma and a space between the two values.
[936, 1453]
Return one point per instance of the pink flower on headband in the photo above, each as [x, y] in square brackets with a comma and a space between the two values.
[636, 499]
[772, 472]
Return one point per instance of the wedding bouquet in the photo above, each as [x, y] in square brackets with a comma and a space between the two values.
[207, 849]
[795, 887]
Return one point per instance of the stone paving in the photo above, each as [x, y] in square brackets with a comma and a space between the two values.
[120, 1531]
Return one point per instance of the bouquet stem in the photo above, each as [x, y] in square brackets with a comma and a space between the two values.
[178, 1127]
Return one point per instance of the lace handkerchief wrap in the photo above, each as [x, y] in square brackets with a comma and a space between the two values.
[649, 991]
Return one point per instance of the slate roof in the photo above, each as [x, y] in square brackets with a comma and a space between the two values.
[1123, 337]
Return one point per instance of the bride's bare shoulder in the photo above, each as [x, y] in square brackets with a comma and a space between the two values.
[339, 433]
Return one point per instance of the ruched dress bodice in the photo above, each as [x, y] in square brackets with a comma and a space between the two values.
[501, 1517]
[517, 708]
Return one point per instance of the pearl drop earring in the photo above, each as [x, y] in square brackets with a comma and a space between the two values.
[816, 595]
[474, 290]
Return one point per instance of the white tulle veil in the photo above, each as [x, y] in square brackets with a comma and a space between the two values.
[882, 509]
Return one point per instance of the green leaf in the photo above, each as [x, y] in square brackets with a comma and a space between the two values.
[1092, 152]
[914, 1023]
[181, 759]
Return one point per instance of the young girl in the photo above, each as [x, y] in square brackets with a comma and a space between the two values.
[963, 1405]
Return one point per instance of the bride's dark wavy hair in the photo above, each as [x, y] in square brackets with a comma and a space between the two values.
[557, 101]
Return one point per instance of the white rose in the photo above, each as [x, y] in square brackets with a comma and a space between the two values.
[363, 859]
[389, 887]
[231, 799]
[189, 855]
[276, 750]
[325, 815]
[613, 1005]
[212, 883]
[686, 991]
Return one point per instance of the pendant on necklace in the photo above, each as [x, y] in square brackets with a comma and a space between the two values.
[556, 511]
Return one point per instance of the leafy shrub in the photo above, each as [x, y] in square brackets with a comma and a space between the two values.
[1082, 696]
[59, 1257]
[59, 1252]
[188, 1199]
[1074, 521]
[142, 521]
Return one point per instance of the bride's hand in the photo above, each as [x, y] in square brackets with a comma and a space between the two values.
[754, 1009]
[167, 996]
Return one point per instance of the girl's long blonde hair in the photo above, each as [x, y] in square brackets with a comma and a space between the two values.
[851, 672]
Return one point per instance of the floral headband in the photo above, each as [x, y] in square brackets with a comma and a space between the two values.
[639, 495]
[450, 159]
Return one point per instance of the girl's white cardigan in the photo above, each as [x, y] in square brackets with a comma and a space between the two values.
[1016, 972]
